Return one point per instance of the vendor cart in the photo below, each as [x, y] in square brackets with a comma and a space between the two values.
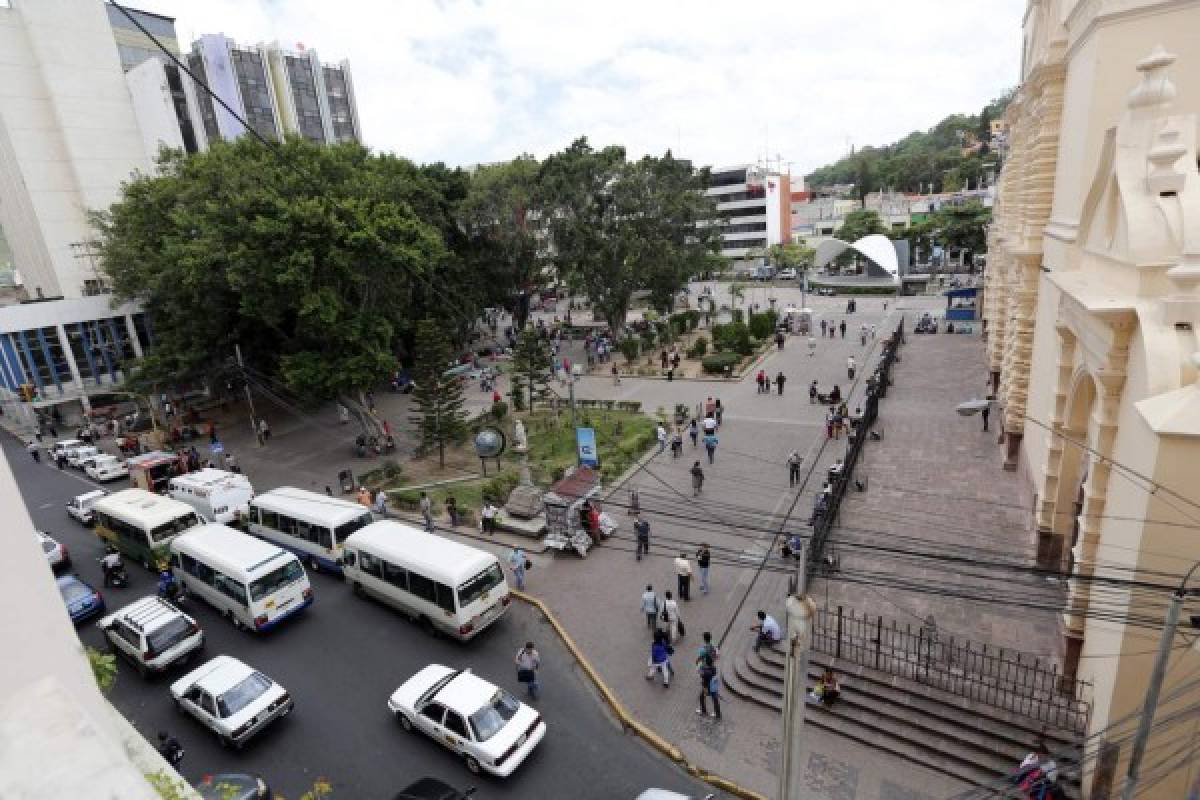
[566, 503]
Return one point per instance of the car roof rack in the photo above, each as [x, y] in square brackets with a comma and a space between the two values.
[145, 613]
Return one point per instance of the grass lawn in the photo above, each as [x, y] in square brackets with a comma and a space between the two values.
[621, 438]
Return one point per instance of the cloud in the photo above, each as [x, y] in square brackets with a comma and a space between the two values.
[719, 82]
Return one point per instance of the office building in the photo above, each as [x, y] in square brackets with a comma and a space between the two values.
[1092, 307]
[753, 208]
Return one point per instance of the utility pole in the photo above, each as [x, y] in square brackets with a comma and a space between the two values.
[237, 348]
[1155, 688]
[800, 612]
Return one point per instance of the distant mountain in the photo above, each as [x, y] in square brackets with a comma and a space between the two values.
[949, 155]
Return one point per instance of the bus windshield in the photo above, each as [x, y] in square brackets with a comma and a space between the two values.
[175, 526]
[347, 528]
[475, 588]
[276, 579]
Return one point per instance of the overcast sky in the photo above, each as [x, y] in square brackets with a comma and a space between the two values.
[719, 82]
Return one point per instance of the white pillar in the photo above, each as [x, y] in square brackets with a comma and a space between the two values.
[133, 337]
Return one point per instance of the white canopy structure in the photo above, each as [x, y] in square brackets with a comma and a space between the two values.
[876, 248]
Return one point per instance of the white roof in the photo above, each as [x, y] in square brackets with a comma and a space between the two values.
[153, 509]
[329, 510]
[222, 674]
[466, 693]
[212, 478]
[427, 552]
[231, 550]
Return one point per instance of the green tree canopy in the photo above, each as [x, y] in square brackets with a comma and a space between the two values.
[532, 364]
[440, 417]
[311, 259]
[858, 224]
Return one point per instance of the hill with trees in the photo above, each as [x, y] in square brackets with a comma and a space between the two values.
[921, 159]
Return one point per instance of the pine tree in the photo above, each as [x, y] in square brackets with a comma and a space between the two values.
[439, 400]
[531, 368]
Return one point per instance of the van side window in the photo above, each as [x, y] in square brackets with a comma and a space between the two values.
[445, 597]
[323, 537]
[370, 564]
[268, 519]
[304, 531]
[287, 525]
[231, 588]
[396, 576]
[422, 587]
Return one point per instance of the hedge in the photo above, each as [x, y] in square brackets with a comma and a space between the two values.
[716, 363]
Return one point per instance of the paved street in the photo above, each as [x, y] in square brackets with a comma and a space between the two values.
[340, 661]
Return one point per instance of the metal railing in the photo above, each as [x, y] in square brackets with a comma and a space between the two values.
[1016, 682]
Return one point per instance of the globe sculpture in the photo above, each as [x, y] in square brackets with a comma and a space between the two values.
[489, 443]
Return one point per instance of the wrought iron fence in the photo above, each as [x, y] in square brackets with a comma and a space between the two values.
[1007, 679]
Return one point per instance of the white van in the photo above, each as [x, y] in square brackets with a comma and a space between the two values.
[217, 495]
[311, 525]
[78, 454]
[442, 584]
[256, 585]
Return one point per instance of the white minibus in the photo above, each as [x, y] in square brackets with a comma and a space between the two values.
[255, 584]
[217, 495]
[141, 524]
[311, 525]
[442, 584]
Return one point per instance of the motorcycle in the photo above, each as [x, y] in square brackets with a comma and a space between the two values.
[170, 749]
[114, 575]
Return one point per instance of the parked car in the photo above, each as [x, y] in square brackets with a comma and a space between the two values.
[787, 274]
[492, 730]
[80, 506]
[433, 789]
[233, 786]
[106, 468]
[826, 291]
[63, 445]
[56, 552]
[82, 601]
[230, 698]
[153, 634]
[77, 455]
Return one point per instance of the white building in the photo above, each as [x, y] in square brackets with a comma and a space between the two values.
[753, 207]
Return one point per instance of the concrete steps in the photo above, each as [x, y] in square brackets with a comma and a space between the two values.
[979, 745]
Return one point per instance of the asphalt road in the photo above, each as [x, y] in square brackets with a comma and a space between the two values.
[340, 661]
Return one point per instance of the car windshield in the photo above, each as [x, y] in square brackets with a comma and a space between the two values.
[74, 590]
[475, 588]
[175, 526]
[487, 721]
[347, 528]
[48, 546]
[276, 579]
[243, 694]
[170, 634]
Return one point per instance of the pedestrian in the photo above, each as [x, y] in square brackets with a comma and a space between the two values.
[381, 503]
[664, 358]
[683, 576]
[718, 411]
[616, 375]
[767, 630]
[812, 347]
[487, 517]
[710, 407]
[827, 689]
[676, 443]
[231, 463]
[706, 668]
[36, 454]
[761, 380]
[343, 414]
[518, 563]
[793, 462]
[862, 336]
[823, 329]
[60, 460]
[264, 431]
[661, 434]
[328, 490]
[779, 340]
[650, 607]
[528, 662]
[986, 412]
[670, 615]
[452, 510]
[364, 497]
[703, 560]
[711, 682]
[641, 529]
[660, 660]
[842, 326]
[850, 365]
[693, 431]
[710, 445]
[780, 379]
[427, 511]
[697, 478]
[812, 392]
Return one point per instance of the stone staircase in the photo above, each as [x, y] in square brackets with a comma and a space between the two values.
[970, 741]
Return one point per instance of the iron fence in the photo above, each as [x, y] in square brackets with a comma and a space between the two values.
[1017, 682]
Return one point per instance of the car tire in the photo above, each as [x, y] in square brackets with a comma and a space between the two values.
[405, 722]
[473, 765]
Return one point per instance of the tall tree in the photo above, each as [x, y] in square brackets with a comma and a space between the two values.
[858, 224]
[531, 369]
[311, 258]
[440, 417]
[962, 227]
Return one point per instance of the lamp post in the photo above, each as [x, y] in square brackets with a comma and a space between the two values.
[1156, 682]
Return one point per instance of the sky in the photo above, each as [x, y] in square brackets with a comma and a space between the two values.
[722, 83]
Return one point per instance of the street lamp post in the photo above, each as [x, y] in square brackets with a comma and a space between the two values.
[1156, 682]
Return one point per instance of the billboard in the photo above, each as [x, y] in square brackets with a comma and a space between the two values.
[585, 442]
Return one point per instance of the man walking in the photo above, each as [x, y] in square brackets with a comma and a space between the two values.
[780, 379]
[381, 503]
[528, 661]
[642, 529]
[850, 365]
[822, 329]
[986, 412]
[683, 574]
[793, 462]
[694, 431]
[710, 445]
[661, 434]
[842, 326]
[703, 559]
[427, 511]
[264, 431]
[650, 607]
[517, 562]
[697, 478]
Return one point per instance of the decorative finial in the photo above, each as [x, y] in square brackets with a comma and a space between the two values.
[1156, 88]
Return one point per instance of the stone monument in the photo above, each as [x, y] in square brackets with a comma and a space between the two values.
[524, 506]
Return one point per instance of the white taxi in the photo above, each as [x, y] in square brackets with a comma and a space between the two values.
[492, 730]
[231, 698]
[106, 468]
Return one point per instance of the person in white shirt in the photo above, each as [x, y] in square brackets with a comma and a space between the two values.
[683, 572]
[661, 433]
[488, 517]
[850, 365]
[767, 629]
[671, 618]
[650, 607]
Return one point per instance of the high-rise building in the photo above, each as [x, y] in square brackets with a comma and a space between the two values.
[753, 208]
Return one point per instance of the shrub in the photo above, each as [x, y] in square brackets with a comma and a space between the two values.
[698, 348]
[405, 499]
[734, 336]
[498, 488]
[716, 363]
[763, 325]
[499, 409]
[629, 349]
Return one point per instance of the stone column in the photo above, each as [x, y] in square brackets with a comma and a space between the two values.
[1049, 544]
